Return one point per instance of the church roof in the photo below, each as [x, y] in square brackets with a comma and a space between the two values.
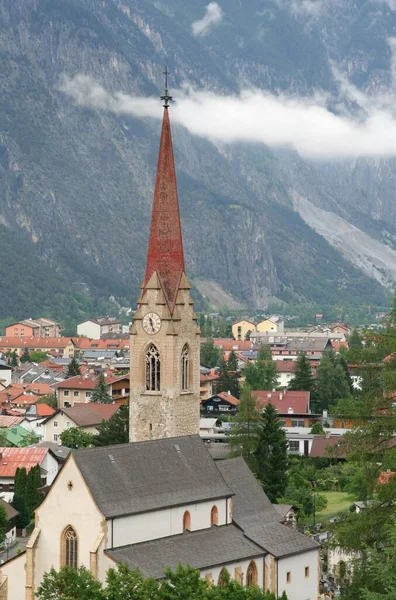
[145, 476]
[277, 539]
[201, 549]
[250, 499]
[165, 251]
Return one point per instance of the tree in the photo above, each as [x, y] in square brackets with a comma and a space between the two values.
[73, 368]
[14, 359]
[243, 436]
[317, 428]
[38, 356]
[32, 495]
[115, 430]
[355, 340]
[69, 584]
[29, 439]
[3, 523]
[49, 399]
[23, 518]
[271, 454]
[304, 380]
[263, 374]
[101, 392]
[228, 377]
[332, 383]
[76, 438]
[25, 356]
[210, 354]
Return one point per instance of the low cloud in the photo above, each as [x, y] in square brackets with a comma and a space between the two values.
[213, 15]
[312, 8]
[362, 125]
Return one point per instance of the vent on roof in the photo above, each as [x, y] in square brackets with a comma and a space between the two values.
[177, 448]
[111, 457]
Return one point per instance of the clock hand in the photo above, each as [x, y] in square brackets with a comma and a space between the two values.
[152, 324]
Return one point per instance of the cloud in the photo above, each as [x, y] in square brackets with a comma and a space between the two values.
[311, 8]
[390, 3]
[213, 15]
[362, 125]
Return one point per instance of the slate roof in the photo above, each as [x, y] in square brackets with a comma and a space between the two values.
[150, 475]
[200, 549]
[277, 539]
[250, 499]
[60, 452]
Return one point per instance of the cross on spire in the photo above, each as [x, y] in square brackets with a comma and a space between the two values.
[166, 97]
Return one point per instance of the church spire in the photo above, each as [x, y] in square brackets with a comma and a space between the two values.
[165, 251]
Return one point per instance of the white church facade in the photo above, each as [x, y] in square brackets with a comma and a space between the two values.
[161, 500]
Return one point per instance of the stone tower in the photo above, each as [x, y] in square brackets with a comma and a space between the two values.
[165, 337]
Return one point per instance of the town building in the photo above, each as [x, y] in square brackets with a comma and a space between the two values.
[79, 389]
[59, 346]
[242, 329]
[162, 500]
[5, 374]
[85, 416]
[99, 327]
[220, 404]
[273, 324]
[13, 458]
[34, 328]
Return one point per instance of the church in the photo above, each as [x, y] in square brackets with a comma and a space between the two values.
[161, 500]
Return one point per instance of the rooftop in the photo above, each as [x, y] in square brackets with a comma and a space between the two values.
[286, 402]
[12, 458]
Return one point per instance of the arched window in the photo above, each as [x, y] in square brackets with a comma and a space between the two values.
[69, 548]
[214, 515]
[251, 575]
[153, 369]
[224, 577]
[186, 521]
[185, 368]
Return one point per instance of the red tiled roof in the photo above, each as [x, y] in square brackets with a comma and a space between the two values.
[286, 366]
[229, 397]
[88, 344]
[33, 342]
[337, 345]
[385, 476]
[205, 378]
[43, 410]
[228, 344]
[324, 447]
[78, 382]
[9, 421]
[282, 401]
[12, 458]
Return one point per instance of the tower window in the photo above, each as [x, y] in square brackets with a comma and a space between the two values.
[153, 369]
[69, 548]
[185, 368]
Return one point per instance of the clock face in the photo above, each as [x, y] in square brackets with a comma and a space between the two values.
[151, 323]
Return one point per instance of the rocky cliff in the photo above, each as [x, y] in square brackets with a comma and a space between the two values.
[76, 183]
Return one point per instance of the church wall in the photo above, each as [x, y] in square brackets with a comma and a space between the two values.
[63, 507]
[162, 523]
[300, 587]
[14, 570]
[243, 565]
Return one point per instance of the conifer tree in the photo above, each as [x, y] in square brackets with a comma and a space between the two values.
[33, 483]
[115, 430]
[332, 383]
[228, 377]
[73, 368]
[243, 436]
[263, 374]
[14, 359]
[101, 392]
[304, 380]
[271, 454]
[25, 356]
[23, 518]
[210, 354]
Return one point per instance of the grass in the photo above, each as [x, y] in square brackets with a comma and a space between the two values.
[336, 502]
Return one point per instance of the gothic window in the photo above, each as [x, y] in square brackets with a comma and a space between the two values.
[185, 368]
[224, 577]
[214, 515]
[153, 369]
[69, 548]
[251, 575]
[186, 521]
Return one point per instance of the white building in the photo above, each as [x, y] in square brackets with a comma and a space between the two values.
[13, 458]
[5, 374]
[97, 328]
[182, 507]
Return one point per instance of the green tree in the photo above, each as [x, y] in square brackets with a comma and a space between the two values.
[244, 428]
[73, 368]
[49, 399]
[29, 439]
[210, 354]
[3, 523]
[115, 430]
[76, 438]
[38, 356]
[271, 454]
[304, 380]
[381, 570]
[332, 383]
[23, 518]
[355, 340]
[100, 393]
[32, 494]
[14, 359]
[317, 428]
[228, 377]
[70, 584]
[20, 481]
[262, 375]
[25, 356]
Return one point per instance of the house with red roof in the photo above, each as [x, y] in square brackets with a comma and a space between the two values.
[13, 458]
[292, 406]
[79, 389]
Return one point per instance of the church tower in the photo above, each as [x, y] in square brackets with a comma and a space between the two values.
[165, 337]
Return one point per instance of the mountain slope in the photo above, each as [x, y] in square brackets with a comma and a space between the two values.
[77, 183]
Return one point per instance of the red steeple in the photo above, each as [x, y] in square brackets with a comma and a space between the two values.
[165, 250]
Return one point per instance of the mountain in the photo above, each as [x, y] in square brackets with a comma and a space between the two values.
[259, 223]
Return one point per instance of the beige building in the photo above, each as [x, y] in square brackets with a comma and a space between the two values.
[86, 417]
[77, 389]
[271, 325]
[241, 329]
